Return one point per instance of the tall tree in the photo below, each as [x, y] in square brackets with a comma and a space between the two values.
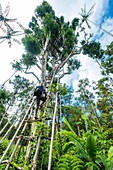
[107, 61]
[105, 102]
[50, 45]
[87, 100]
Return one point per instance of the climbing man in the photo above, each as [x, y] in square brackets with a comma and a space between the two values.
[41, 97]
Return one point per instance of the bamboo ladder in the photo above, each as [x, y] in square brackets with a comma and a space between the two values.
[28, 118]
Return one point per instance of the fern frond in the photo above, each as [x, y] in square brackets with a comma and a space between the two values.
[64, 166]
[64, 162]
[77, 163]
[70, 162]
[91, 166]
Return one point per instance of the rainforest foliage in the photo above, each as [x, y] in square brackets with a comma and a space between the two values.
[83, 134]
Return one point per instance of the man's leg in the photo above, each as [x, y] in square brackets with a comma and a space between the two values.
[43, 99]
[37, 107]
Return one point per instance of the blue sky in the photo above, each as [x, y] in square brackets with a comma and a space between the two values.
[109, 12]
[23, 11]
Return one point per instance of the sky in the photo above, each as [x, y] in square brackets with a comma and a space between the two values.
[23, 11]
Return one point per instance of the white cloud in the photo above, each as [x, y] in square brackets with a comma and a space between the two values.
[89, 69]
[105, 38]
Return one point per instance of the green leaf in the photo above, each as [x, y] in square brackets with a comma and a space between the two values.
[110, 153]
[69, 126]
[110, 157]
[67, 146]
[84, 117]
[91, 147]
[104, 161]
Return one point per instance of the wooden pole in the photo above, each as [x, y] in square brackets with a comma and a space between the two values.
[29, 147]
[11, 142]
[2, 118]
[18, 141]
[52, 135]
[9, 130]
[36, 154]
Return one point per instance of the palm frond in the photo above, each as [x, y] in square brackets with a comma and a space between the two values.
[17, 41]
[91, 147]
[1, 10]
[104, 161]
[3, 30]
[85, 15]
[73, 137]
[88, 24]
[9, 29]
[91, 10]
[2, 41]
[2, 37]
[67, 146]
[20, 25]
[84, 10]
[110, 157]
[6, 12]
[81, 150]
[69, 126]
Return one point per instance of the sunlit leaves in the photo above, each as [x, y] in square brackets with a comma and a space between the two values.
[28, 59]
[17, 66]
[31, 44]
[105, 101]
[21, 85]
[107, 61]
[73, 64]
[44, 9]
[93, 49]
[75, 23]
[51, 26]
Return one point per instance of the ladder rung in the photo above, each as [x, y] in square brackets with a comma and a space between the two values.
[25, 137]
[30, 121]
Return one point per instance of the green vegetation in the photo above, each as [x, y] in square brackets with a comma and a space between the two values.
[83, 133]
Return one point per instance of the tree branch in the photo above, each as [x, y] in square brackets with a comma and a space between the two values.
[33, 75]
[38, 66]
[8, 79]
[70, 55]
[63, 75]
